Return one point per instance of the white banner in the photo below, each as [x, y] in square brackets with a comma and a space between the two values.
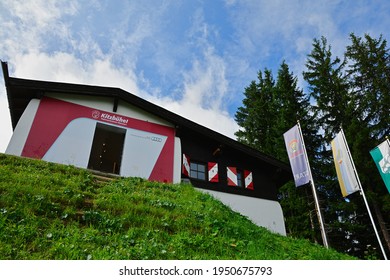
[344, 166]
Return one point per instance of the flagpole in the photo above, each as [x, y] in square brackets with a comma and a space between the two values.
[364, 196]
[318, 210]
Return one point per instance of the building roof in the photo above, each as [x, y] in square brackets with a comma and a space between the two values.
[21, 91]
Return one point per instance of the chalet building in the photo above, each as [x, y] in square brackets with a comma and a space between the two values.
[113, 131]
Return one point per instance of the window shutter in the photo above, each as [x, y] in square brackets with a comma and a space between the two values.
[186, 165]
[213, 171]
[232, 176]
[248, 180]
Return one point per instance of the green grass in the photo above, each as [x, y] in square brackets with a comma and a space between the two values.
[50, 211]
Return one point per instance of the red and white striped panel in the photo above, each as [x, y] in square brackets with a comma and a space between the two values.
[232, 176]
[213, 171]
[248, 180]
[186, 165]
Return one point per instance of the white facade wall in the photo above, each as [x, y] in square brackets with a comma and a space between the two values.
[100, 103]
[262, 212]
[136, 113]
[177, 161]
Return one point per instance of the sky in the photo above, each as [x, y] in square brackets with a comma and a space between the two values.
[192, 57]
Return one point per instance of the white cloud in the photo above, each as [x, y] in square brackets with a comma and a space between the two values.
[205, 84]
[26, 24]
[204, 94]
[205, 87]
[39, 13]
[79, 58]
[65, 67]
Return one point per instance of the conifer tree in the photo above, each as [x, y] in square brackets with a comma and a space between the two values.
[369, 77]
[340, 101]
[256, 115]
[293, 105]
[269, 110]
[352, 92]
[329, 88]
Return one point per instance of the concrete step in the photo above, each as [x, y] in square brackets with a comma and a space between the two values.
[102, 177]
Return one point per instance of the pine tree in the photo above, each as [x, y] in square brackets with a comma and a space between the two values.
[340, 101]
[329, 88]
[369, 77]
[292, 105]
[269, 110]
[295, 106]
[256, 115]
[322, 76]
[328, 85]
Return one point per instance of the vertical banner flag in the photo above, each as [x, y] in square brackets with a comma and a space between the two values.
[344, 166]
[296, 155]
[381, 156]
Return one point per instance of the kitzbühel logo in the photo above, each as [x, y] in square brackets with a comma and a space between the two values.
[114, 119]
[95, 114]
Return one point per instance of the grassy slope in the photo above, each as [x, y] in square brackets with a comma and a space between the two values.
[50, 211]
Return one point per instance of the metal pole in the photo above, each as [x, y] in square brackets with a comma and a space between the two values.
[364, 196]
[318, 210]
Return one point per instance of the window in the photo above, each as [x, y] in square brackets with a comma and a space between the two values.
[198, 171]
[240, 178]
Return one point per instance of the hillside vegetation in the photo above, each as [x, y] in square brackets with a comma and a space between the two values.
[52, 211]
